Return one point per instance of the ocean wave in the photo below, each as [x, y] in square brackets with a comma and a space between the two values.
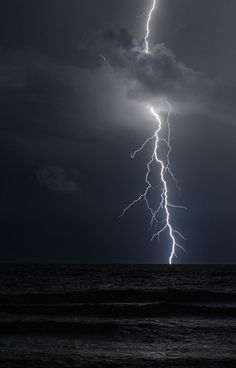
[120, 329]
[88, 362]
[122, 310]
[122, 295]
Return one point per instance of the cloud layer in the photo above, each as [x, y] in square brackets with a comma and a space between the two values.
[157, 73]
[59, 179]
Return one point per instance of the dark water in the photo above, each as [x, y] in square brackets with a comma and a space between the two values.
[117, 316]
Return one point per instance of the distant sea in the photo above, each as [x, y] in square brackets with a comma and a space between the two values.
[117, 316]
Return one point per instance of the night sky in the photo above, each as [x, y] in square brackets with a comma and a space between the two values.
[69, 122]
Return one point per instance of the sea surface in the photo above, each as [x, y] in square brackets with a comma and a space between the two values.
[117, 316]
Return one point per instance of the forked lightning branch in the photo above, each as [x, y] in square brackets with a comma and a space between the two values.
[164, 206]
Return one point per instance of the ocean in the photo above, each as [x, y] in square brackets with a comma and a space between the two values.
[117, 316]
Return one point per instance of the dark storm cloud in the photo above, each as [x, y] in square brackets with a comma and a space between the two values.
[12, 76]
[59, 179]
[40, 83]
[31, 71]
[157, 73]
[119, 38]
[43, 93]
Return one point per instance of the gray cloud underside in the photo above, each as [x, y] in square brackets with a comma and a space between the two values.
[130, 76]
[59, 179]
[157, 73]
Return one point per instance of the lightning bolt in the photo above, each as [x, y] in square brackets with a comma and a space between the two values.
[148, 26]
[164, 206]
